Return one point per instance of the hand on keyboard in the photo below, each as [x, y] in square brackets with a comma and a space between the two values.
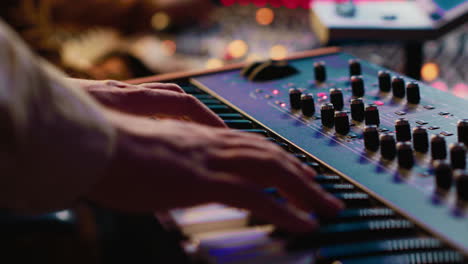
[152, 100]
[160, 165]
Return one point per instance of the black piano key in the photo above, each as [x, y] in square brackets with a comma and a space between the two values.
[429, 257]
[354, 199]
[239, 123]
[256, 131]
[283, 145]
[338, 187]
[219, 108]
[384, 246]
[357, 231]
[203, 96]
[301, 157]
[315, 166]
[320, 178]
[365, 213]
[209, 101]
[230, 116]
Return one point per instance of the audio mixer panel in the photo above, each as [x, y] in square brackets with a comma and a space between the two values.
[397, 139]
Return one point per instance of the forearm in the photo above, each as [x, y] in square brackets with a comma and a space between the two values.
[57, 141]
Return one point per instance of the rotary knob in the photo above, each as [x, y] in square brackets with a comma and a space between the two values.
[405, 155]
[385, 83]
[420, 139]
[387, 146]
[371, 114]
[357, 86]
[336, 98]
[320, 71]
[443, 175]
[295, 98]
[403, 130]
[458, 156]
[371, 138]
[462, 127]
[327, 112]
[398, 87]
[412, 93]
[354, 67]
[438, 147]
[342, 123]
[462, 186]
[308, 105]
[357, 109]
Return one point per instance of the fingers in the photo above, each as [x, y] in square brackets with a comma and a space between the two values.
[242, 195]
[277, 169]
[163, 86]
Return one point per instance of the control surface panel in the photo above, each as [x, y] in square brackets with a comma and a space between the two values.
[398, 139]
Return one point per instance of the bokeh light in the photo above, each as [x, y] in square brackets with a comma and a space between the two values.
[430, 71]
[170, 47]
[278, 52]
[265, 16]
[237, 48]
[160, 21]
[214, 63]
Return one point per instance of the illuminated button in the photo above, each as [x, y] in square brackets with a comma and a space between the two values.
[379, 103]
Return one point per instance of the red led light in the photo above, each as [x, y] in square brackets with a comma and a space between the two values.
[275, 92]
[379, 103]
[283, 104]
[321, 94]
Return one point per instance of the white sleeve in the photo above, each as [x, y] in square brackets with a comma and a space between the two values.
[54, 139]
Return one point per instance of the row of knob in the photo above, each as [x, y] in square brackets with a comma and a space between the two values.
[386, 83]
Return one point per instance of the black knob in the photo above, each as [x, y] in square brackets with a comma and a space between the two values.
[307, 104]
[443, 175]
[398, 87]
[336, 98]
[412, 93]
[320, 71]
[357, 109]
[327, 112]
[354, 67]
[462, 126]
[405, 155]
[371, 138]
[357, 86]
[438, 147]
[371, 114]
[420, 139]
[295, 98]
[403, 130]
[341, 123]
[387, 146]
[458, 156]
[385, 83]
[462, 185]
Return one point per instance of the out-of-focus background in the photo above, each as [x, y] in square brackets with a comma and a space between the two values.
[130, 38]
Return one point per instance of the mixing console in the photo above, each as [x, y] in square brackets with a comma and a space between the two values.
[400, 167]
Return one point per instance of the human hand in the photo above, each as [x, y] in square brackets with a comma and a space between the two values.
[151, 100]
[167, 164]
